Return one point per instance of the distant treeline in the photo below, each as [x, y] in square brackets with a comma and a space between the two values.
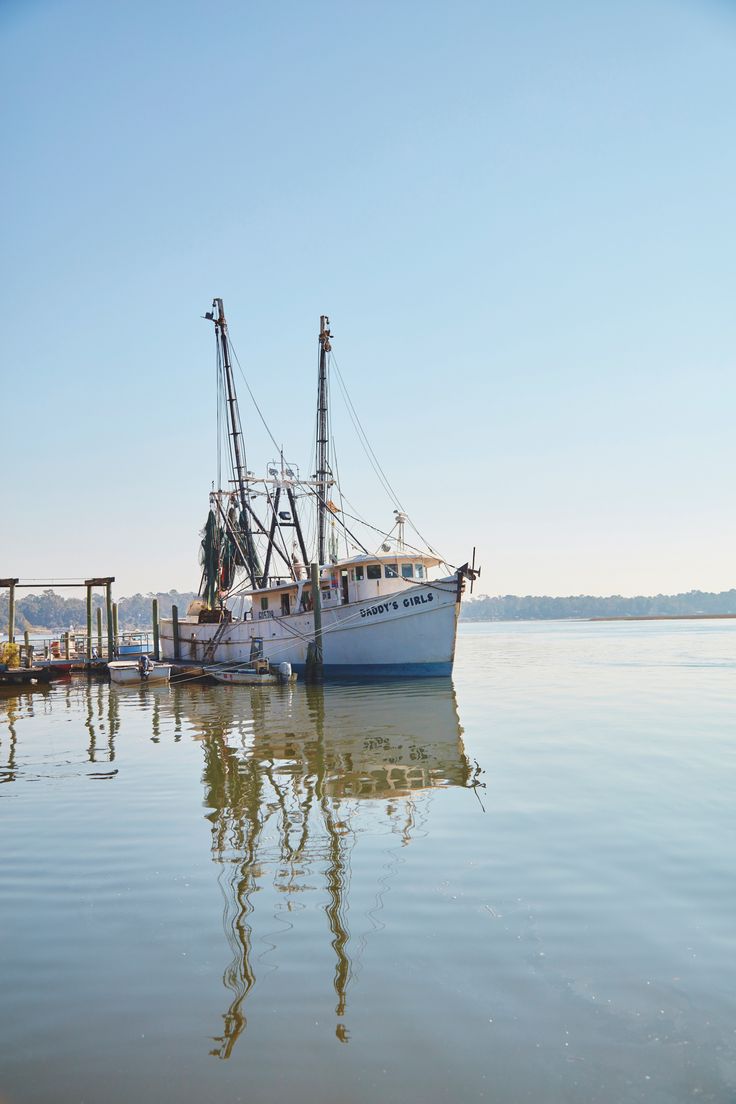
[49, 610]
[509, 607]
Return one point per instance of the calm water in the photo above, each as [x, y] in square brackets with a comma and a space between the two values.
[519, 887]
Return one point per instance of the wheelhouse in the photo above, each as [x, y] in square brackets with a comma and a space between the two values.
[365, 577]
[359, 579]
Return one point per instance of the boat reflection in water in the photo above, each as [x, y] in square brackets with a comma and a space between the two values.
[288, 775]
[90, 699]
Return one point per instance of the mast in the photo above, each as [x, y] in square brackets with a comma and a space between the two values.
[232, 401]
[237, 450]
[323, 457]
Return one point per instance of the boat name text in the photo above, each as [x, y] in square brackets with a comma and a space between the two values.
[386, 607]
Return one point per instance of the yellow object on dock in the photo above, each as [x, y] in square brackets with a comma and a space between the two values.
[10, 655]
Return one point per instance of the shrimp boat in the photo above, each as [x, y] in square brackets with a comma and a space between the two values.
[383, 611]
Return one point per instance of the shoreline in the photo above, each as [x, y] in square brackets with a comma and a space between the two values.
[664, 617]
[612, 617]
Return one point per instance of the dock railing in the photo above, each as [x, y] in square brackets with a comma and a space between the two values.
[73, 647]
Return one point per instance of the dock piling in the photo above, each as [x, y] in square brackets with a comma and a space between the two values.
[99, 632]
[89, 623]
[115, 637]
[10, 584]
[109, 617]
[11, 613]
[175, 628]
[156, 638]
[314, 652]
[27, 642]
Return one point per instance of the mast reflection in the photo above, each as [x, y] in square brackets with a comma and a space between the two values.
[290, 779]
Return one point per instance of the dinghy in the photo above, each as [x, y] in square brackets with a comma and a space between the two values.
[262, 674]
[129, 671]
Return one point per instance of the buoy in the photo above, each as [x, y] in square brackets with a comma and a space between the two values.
[284, 672]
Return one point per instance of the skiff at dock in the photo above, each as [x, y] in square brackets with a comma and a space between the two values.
[261, 674]
[127, 672]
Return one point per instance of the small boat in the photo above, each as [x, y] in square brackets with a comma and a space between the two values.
[130, 671]
[134, 644]
[55, 668]
[262, 674]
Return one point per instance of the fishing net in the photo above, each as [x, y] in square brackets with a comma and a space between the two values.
[208, 557]
[10, 655]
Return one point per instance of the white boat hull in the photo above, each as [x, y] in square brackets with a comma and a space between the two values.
[247, 678]
[126, 673]
[408, 633]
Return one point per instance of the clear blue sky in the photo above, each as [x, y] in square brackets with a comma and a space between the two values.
[520, 218]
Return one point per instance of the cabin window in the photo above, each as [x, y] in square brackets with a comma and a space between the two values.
[264, 603]
[407, 571]
[285, 605]
[418, 571]
[373, 571]
[359, 574]
[392, 571]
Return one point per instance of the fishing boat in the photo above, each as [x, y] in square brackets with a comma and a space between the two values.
[386, 610]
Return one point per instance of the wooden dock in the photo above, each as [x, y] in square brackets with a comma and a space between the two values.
[24, 676]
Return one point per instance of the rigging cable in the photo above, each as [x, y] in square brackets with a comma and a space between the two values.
[285, 553]
[255, 403]
[315, 492]
[373, 459]
[339, 491]
[363, 438]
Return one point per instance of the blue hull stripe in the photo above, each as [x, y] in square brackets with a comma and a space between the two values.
[382, 670]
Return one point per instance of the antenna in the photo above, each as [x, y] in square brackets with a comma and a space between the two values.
[400, 522]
